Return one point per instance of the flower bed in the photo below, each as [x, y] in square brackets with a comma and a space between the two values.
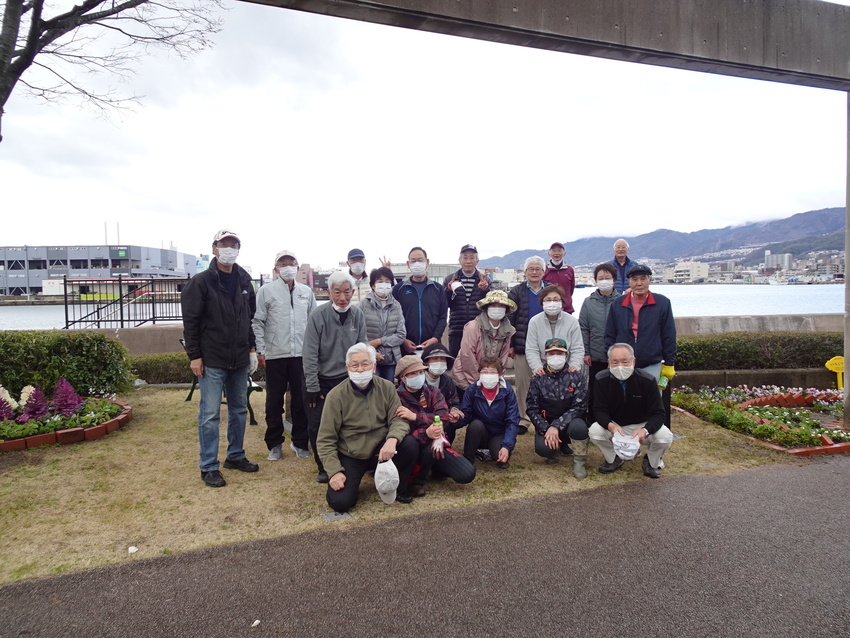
[799, 421]
[32, 420]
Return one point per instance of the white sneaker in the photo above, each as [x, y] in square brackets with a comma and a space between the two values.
[300, 452]
[274, 453]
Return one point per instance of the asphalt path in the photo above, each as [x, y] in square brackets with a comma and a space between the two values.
[761, 552]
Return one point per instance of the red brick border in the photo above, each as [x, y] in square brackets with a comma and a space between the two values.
[71, 435]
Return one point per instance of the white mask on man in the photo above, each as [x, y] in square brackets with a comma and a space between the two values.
[623, 372]
[357, 268]
[361, 379]
[418, 268]
[227, 256]
[556, 361]
[287, 273]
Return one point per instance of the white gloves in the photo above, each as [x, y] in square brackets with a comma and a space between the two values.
[254, 363]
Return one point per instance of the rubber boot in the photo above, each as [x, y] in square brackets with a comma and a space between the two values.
[579, 458]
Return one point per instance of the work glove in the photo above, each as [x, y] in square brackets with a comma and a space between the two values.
[668, 371]
[253, 363]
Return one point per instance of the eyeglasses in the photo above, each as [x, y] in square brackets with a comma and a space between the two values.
[533, 270]
[363, 365]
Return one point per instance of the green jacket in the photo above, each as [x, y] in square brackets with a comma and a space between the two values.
[355, 424]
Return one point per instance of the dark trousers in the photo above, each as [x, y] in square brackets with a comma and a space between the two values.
[595, 368]
[477, 436]
[314, 415]
[346, 498]
[282, 375]
[453, 465]
[577, 429]
[386, 371]
[454, 344]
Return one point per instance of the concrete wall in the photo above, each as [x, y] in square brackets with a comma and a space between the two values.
[789, 377]
[153, 339]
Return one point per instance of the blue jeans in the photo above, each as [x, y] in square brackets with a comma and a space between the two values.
[235, 384]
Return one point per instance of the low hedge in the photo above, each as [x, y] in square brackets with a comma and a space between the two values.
[758, 350]
[91, 362]
[171, 367]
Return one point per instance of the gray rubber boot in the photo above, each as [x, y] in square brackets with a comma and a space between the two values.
[579, 458]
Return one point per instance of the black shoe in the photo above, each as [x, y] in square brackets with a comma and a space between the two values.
[403, 498]
[522, 429]
[648, 470]
[243, 465]
[417, 491]
[566, 450]
[322, 477]
[503, 466]
[213, 478]
[607, 468]
[552, 460]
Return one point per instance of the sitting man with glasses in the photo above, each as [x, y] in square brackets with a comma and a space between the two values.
[360, 428]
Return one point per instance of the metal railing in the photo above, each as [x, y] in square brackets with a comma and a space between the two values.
[122, 302]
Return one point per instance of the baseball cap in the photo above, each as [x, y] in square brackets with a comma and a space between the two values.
[225, 233]
[469, 248]
[386, 481]
[285, 253]
[555, 344]
[639, 269]
[626, 447]
[354, 253]
[556, 243]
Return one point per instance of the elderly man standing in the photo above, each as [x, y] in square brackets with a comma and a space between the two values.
[357, 271]
[622, 263]
[280, 322]
[361, 427]
[526, 296]
[423, 304]
[218, 305]
[331, 330]
[464, 288]
[645, 322]
[627, 404]
[560, 274]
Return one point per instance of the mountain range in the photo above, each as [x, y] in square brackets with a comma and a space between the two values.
[814, 230]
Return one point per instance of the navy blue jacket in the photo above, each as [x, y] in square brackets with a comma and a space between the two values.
[425, 316]
[499, 417]
[656, 340]
[637, 402]
[621, 283]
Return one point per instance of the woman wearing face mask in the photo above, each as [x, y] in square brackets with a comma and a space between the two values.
[551, 323]
[384, 321]
[438, 360]
[488, 335]
[491, 412]
[556, 405]
[420, 404]
[592, 320]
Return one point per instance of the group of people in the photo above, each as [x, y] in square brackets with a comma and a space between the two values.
[372, 384]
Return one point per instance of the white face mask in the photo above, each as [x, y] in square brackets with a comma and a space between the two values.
[623, 372]
[418, 268]
[227, 256]
[438, 367]
[383, 289]
[338, 309]
[605, 285]
[357, 268]
[556, 361]
[287, 273]
[552, 307]
[415, 383]
[360, 379]
[489, 381]
[495, 313]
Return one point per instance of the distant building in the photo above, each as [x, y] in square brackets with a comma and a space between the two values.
[780, 261]
[24, 268]
[686, 272]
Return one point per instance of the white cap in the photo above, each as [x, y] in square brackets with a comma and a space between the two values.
[225, 233]
[386, 481]
[285, 253]
[626, 447]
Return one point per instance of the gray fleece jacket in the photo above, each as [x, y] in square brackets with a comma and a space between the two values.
[327, 340]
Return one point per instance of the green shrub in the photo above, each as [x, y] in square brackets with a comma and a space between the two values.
[170, 367]
[757, 350]
[91, 362]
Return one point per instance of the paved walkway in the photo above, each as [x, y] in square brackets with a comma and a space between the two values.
[756, 553]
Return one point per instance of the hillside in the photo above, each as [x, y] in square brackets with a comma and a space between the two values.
[668, 244]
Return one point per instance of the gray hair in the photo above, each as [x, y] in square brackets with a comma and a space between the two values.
[357, 348]
[621, 240]
[338, 278]
[622, 345]
[534, 259]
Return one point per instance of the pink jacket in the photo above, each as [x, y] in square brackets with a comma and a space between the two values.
[475, 345]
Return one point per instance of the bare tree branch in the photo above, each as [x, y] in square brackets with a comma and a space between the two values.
[95, 37]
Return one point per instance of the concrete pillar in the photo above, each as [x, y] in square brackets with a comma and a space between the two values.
[846, 277]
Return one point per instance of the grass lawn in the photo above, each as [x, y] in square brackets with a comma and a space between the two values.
[77, 506]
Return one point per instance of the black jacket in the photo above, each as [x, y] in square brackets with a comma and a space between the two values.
[216, 328]
[462, 310]
[639, 401]
[425, 317]
[519, 319]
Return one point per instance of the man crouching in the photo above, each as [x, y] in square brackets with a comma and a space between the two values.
[360, 428]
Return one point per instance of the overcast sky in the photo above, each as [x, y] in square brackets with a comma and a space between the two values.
[319, 134]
